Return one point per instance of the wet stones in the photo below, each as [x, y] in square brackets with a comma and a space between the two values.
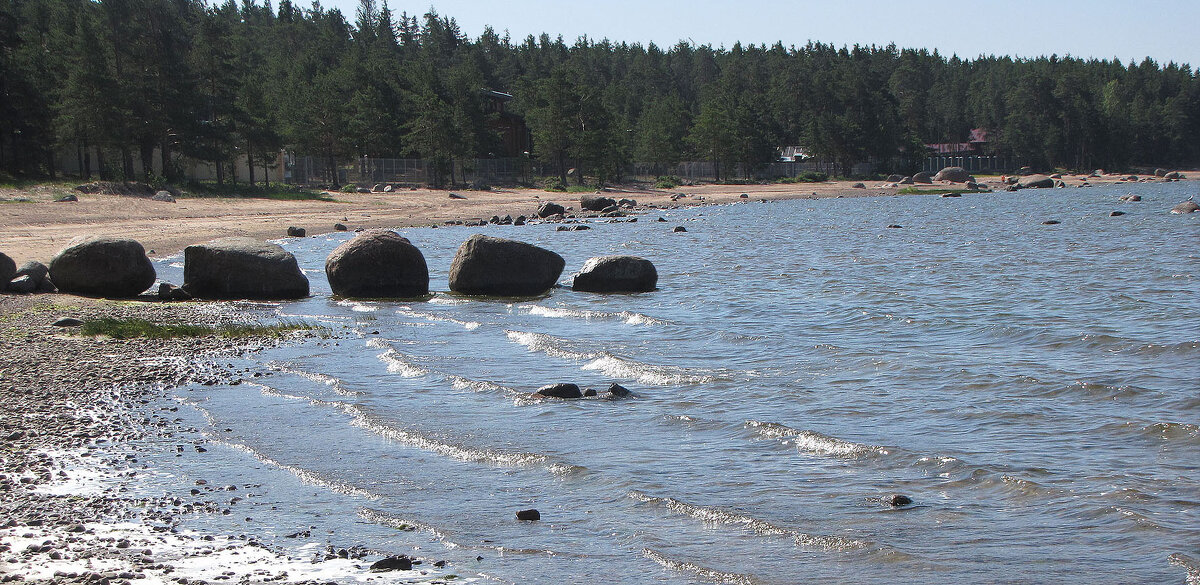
[550, 209]
[242, 268]
[531, 515]
[897, 500]
[377, 264]
[561, 390]
[491, 266]
[295, 232]
[616, 274]
[102, 266]
[396, 563]
[593, 202]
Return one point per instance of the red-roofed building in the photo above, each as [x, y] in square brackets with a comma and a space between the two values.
[974, 145]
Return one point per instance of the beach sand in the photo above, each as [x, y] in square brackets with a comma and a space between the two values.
[40, 227]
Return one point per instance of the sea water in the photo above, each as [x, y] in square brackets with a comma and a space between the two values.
[1034, 389]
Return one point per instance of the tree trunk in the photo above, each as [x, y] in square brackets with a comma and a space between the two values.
[127, 163]
[147, 152]
[250, 161]
[164, 155]
[562, 167]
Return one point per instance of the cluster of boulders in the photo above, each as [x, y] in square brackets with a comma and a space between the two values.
[375, 264]
[948, 174]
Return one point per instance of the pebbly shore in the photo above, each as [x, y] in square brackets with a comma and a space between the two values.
[72, 408]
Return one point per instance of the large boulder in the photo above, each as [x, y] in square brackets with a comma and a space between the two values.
[1036, 182]
[103, 267]
[8, 269]
[616, 274]
[377, 264]
[922, 177]
[954, 175]
[594, 202]
[242, 268]
[497, 267]
[1188, 206]
[550, 208]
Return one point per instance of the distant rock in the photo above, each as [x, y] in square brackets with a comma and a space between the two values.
[550, 208]
[68, 198]
[562, 390]
[617, 391]
[67, 322]
[1175, 175]
[954, 175]
[922, 177]
[679, 229]
[905, 181]
[529, 515]
[593, 202]
[897, 500]
[1116, 213]
[1188, 206]
[1051, 222]
[1036, 182]
[170, 292]
[895, 178]
[163, 196]
[630, 203]
[102, 266]
[296, 232]
[242, 268]
[1130, 197]
[858, 186]
[396, 563]
[609, 274]
[456, 196]
[340, 227]
[491, 266]
[377, 264]
[951, 195]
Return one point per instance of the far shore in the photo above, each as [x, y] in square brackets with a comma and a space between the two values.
[37, 228]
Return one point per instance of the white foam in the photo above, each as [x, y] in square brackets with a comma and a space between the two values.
[468, 325]
[627, 317]
[547, 344]
[398, 363]
[359, 307]
[616, 367]
[814, 442]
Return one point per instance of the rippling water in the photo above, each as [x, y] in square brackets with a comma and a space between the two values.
[1035, 389]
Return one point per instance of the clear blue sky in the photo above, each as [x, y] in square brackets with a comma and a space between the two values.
[1163, 30]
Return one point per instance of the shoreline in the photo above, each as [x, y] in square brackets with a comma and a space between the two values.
[77, 415]
[38, 227]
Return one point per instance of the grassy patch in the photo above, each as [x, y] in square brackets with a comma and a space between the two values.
[277, 192]
[142, 328]
[580, 189]
[919, 191]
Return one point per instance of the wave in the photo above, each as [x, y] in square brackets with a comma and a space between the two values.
[705, 573]
[549, 345]
[649, 374]
[337, 384]
[627, 317]
[468, 325]
[398, 363]
[814, 442]
[1189, 564]
[358, 306]
[713, 516]
[305, 475]
[391, 520]
[485, 455]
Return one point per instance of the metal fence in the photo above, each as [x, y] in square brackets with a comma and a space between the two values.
[974, 164]
[707, 171]
[367, 170]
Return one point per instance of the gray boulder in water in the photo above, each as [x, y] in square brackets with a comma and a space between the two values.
[498, 267]
[593, 202]
[103, 267]
[954, 175]
[377, 264]
[616, 274]
[1186, 207]
[1036, 182]
[550, 208]
[242, 268]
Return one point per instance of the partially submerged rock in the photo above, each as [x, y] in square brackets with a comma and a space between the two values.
[242, 268]
[377, 264]
[498, 267]
[1188, 206]
[594, 202]
[102, 266]
[608, 274]
[1036, 182]
[561, 390]
[550, 208]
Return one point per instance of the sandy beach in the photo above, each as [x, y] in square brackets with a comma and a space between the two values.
[35, 227]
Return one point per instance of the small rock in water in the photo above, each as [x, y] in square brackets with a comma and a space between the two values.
[897, 500]
[679, 229]
[397, 563]
[560, 391]
[1051, 222]
[894, 226]
[530, 515]
[67, 322]
[1116, 213]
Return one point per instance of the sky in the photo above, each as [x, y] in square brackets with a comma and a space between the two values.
[1165, 31]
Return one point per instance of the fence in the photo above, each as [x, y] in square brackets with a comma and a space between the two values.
[367, 170]
[974, 164]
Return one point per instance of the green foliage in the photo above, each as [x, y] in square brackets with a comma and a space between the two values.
[142, 328]
[667, 182]
[553, 184]
[120, 84]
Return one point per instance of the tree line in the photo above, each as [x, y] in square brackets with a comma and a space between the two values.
[113, 81]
